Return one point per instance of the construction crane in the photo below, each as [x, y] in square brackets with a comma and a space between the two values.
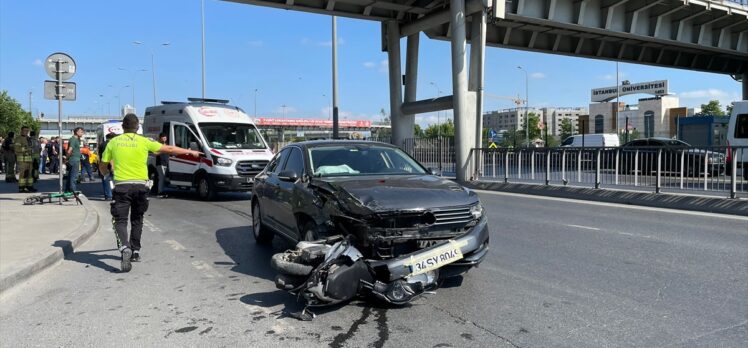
[517, 101]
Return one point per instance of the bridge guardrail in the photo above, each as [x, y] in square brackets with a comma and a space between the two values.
[671, 169]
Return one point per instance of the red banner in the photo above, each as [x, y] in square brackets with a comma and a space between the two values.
[307, 122]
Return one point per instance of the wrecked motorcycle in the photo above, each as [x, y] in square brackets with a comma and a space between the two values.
[334, 270]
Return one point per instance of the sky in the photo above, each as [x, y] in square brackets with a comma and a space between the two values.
[284, 55]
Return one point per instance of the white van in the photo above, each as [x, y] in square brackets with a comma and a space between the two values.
[592, 140]
[111, 126]
[737, 136]
[234, 149]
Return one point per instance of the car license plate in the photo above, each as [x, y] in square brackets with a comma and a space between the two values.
[436, 258]
[249, 180]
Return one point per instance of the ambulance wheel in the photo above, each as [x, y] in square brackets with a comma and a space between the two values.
[205, 189]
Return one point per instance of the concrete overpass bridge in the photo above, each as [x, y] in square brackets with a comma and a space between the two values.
[699, 35]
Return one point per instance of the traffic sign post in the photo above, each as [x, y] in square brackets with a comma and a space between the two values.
[60, 67]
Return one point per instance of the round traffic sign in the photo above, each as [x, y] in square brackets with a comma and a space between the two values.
[66, 66]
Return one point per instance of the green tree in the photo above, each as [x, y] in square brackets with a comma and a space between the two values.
[711, 109]
[417, 131]
[729, 109]
[566, 128]
[446, 129]
[534, 131]
[12, 116]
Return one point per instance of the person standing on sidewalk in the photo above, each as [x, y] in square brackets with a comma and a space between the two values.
[162, 166]
[86, 171]
[74, 159]
[106, 180]
[128, 154]
[43, 156]
[22, 146]
[9, 157]
[54, 158]
[36, 150]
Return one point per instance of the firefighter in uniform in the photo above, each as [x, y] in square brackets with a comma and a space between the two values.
[128, 153]
[23, 149]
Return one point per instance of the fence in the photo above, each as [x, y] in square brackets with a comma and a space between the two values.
[671, 169]
[437, 153]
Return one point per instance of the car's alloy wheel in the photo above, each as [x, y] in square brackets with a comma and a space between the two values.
[309, 232]
[261, 234]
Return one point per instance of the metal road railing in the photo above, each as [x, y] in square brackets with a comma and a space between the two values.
[659, 169]
[436, 153]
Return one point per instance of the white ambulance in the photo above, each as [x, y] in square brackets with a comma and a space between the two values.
[234, 149]
[111, 126]
[737, 138]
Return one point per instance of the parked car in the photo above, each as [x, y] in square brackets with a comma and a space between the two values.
[408, 227]
[641, 155]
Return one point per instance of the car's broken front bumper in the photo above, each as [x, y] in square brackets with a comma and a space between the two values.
[474, 247]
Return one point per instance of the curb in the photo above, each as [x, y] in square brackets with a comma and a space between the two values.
[63, 248]
[716, 205]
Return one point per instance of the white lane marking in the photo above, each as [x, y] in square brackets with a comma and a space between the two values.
[585, 227]
[617, 205]
[175, 245]
[151, 226]
[206, 269]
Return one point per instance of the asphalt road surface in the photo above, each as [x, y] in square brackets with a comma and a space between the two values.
[559, 274]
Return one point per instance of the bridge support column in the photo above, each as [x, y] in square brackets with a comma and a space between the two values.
[396, 83]
[745, 86]
[408, 121]
[477, 72]
[464, 118]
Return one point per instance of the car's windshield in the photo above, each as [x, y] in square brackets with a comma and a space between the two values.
[358, 159]
[232, 136]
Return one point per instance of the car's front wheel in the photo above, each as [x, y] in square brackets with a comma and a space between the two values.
[205, 189]
[261, 233]
[309, 232]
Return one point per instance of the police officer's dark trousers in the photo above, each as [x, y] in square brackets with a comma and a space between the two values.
[130, 200]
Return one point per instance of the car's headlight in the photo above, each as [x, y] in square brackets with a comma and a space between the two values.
[476, 211]
[224, 162]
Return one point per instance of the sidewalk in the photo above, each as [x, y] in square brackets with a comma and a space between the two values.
[34, 237]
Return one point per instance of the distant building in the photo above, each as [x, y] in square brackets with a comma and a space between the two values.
[507, 119]
[555, 115]
[651, 117]
[49, 127]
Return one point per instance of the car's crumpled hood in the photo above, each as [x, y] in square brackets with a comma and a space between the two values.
[403, 192]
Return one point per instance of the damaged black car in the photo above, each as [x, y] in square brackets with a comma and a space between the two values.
[368, 221]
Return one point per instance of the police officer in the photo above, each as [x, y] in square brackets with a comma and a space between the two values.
[23, 149]
[128, 153]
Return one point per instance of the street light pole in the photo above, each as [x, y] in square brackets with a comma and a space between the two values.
[335, 121]
[202, 16]
[119, 95]
[153, 67]
[438, 114]
[527, 106]
[256, 89]
[135, 72]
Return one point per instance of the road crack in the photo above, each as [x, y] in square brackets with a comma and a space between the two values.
[481, 327]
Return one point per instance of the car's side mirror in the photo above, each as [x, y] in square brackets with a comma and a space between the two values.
[434, 171]
[288, 175]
